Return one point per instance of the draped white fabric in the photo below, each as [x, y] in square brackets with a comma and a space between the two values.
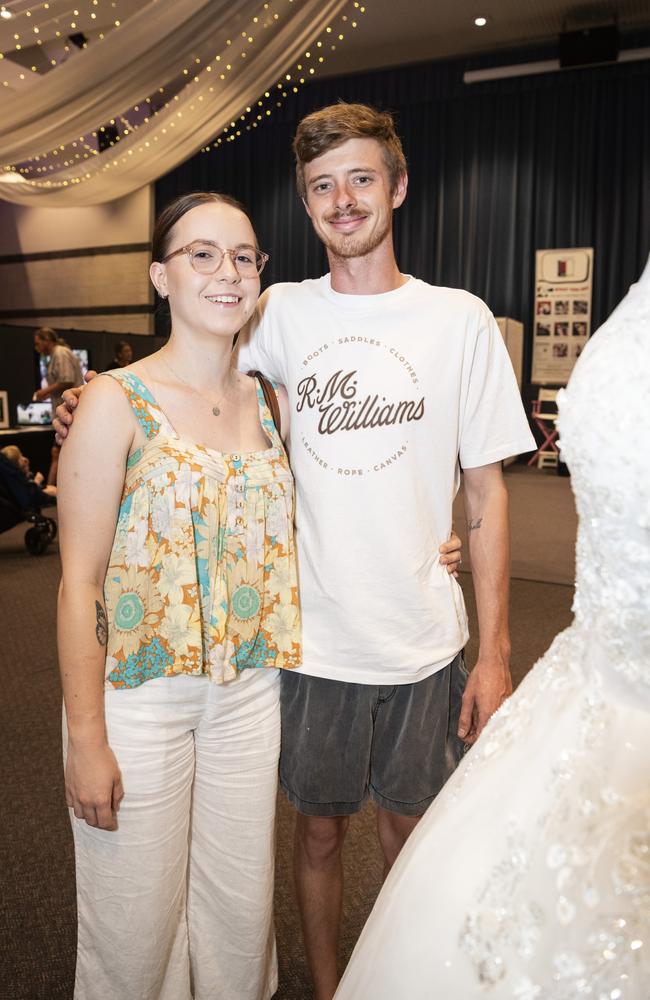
[208, 38]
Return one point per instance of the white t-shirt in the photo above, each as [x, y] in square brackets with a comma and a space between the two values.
[387, 392]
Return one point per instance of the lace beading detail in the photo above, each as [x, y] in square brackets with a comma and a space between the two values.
[591, 850]
[604, 432]
[591, 846]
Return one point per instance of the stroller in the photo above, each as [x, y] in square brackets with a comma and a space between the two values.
[21, 500]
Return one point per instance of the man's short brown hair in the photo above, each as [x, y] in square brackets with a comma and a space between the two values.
[332, 126]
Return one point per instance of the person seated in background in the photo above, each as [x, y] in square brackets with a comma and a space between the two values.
[123, 356]
[24, 489]
[63, 372]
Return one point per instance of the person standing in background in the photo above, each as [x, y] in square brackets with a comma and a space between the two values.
[63, 372]
[123, 356]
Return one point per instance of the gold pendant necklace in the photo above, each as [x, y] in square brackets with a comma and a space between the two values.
[216, 409]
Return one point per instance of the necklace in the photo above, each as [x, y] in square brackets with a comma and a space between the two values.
[216, 407]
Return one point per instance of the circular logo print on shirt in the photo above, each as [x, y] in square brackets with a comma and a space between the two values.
[359, 403]
[129, 612]
[246, 602]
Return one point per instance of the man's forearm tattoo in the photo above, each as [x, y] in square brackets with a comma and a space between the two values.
[476, 523]
[101, 628]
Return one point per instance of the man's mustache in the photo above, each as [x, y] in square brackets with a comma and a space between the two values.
[337, 216]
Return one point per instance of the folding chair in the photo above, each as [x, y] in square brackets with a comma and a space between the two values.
[544, 414]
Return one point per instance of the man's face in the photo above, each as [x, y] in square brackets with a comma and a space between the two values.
[349, 198]
[41, 345]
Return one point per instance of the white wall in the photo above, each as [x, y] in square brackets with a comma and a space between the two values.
[54, 290]
[35, 230]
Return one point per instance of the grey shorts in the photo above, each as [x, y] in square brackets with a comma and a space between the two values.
[344, 742]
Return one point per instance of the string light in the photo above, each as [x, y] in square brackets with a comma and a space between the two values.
[245, 122]
[260, 118]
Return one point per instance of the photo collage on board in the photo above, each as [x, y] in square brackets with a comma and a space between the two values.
[562, 318]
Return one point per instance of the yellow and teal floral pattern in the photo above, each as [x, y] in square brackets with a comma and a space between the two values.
[202, 575]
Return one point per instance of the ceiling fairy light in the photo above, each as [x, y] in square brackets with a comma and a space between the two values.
[5, 13]
[120, 147]
[257, 114]
[480, 21]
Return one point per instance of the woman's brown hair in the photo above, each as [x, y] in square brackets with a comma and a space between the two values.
[179, 207]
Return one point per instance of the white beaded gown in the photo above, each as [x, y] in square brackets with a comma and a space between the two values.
[529, 876]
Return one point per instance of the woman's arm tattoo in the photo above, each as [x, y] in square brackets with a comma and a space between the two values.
[473, 525]
[101, 628]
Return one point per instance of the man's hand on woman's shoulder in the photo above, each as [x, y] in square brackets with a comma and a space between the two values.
[64, 415]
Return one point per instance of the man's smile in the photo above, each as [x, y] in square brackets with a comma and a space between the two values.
[347, 223]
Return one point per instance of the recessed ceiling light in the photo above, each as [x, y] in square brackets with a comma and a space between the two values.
[480, 22]
[5, 13]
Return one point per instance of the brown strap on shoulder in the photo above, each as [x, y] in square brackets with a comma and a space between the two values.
[270, 398]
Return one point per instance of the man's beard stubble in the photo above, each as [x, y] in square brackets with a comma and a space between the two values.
[349, 247]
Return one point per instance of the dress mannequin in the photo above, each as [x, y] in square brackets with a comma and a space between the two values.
[529, 876]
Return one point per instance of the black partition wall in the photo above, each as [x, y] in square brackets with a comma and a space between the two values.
[497, 170]
[18, 359]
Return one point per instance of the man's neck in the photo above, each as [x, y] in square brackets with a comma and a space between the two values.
[372, 274]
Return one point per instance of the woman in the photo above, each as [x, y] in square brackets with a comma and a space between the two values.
[176, 508]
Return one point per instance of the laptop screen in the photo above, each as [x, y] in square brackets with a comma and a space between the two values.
[34, 413]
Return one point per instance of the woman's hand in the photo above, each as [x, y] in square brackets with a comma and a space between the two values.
[93, 784]
[450, 554]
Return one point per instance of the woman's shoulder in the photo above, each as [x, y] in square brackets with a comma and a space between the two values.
[103, 399]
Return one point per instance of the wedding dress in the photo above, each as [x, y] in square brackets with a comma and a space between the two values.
[529, 876]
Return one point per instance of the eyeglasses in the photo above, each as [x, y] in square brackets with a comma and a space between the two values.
[206, 258]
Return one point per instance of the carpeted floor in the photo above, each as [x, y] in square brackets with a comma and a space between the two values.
[37, 909]
[543, 524]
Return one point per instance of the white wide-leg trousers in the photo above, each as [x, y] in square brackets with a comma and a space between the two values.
[178, 902]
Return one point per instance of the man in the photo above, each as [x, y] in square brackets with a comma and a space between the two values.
[63, 372]
[390, 381]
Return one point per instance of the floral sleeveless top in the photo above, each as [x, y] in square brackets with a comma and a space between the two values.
[202, 573]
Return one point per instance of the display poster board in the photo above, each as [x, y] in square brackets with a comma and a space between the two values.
[562, 320]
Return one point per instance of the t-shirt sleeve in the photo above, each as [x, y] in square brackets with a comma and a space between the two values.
[254, 347]
[494, 425]
[63, 368]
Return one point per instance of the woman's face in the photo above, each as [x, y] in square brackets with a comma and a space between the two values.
[218, 303]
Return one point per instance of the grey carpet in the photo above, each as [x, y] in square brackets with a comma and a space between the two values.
[37, 907]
